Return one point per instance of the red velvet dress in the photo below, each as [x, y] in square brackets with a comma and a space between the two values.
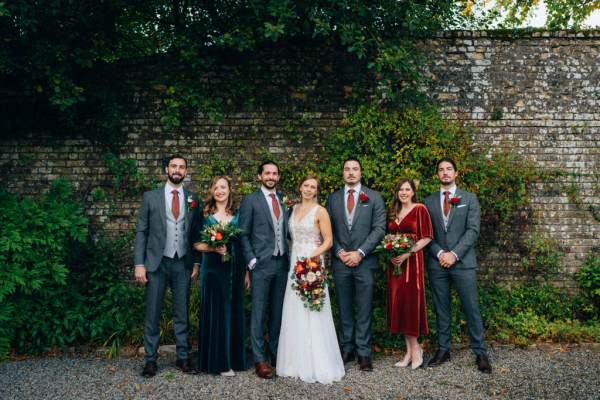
[406, 311]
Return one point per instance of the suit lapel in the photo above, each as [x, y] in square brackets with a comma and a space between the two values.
[437, 207]
[358, 206]
[265, 207]
[162, 208]
[457, 192]
[340, 195]
[187, 211]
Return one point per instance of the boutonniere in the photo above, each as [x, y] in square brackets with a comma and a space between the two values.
[289, 203]
[191, 203]
[362, 196]
[455, 200]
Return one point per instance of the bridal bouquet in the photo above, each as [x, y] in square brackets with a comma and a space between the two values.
[395, 245]
[309, 280]
[220, 235]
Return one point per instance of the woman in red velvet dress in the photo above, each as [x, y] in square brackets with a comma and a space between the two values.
[406, 311]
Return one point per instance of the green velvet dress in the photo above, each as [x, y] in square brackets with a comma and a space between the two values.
[221, 330]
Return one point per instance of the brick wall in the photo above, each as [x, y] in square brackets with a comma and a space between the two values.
[538, 95]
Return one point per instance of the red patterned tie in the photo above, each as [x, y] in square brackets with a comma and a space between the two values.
[446, 203]
[175, 204]
[275, 205]
[350, 201]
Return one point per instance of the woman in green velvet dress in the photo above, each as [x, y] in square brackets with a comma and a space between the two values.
[221, 330]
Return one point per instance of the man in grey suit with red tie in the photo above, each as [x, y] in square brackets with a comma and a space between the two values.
[451, 261]
[358, 220]
[169, 223]
[264, 222]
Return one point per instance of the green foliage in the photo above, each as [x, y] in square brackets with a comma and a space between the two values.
[561, 14]
[588, 278]
[35, 241]
[68, 58]
[59, 288]
[127, 178]
[543, 257]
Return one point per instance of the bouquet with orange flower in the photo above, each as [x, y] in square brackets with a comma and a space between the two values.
[395, 245]
[220, 235]
[309, 280]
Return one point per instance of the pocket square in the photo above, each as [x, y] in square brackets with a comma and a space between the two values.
[462, 205]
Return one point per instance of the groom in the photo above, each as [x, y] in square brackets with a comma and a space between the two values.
[169, 222]
[455, 216]
[264, 222]
[358, 221]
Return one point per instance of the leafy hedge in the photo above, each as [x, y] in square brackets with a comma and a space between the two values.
[57, 286]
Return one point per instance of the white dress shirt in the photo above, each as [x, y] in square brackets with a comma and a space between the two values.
[452, 191]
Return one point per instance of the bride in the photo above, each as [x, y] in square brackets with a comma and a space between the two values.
[308, 347]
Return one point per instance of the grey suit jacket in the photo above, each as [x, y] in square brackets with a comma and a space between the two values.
[461, 233]
[151, 229]
[258, 237]
[368, 225]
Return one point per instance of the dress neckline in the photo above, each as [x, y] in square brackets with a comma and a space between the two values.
[304, 216]
[399, 222]
[221, 222]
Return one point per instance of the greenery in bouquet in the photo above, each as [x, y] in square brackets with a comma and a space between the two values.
[220, 235]
[394, 245]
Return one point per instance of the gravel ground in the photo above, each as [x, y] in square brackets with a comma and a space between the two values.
[542, 372]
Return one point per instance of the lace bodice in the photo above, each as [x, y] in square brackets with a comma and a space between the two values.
[304, 232]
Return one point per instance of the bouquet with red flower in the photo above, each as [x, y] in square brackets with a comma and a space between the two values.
[395, 245]
[309, 280]
[220, 235]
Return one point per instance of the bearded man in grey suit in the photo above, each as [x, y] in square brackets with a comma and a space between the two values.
[358, 221]
[264, 222]
[169, 223]
[451, 261]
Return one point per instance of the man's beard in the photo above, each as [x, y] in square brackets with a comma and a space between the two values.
[270, 184]
[175, 181]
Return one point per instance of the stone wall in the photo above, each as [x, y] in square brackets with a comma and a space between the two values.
[537, 94]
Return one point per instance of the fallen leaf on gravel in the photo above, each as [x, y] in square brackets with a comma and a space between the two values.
[111, 368]
[348, 389]
[137, 387]
[400, 398]
[504, 370]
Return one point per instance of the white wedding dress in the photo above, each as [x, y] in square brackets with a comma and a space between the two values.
[308, 347]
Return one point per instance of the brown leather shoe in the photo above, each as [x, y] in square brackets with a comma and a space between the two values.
[483, 364]
[183, 365]
[347, 357]
[149, 369]
[364, 363]
[263, 370]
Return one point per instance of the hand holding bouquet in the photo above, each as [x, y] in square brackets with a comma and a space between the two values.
[309, 280]
[395, 245]
[220, 235]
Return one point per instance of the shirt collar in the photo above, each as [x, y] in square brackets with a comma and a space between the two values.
[169, 188]
[356, 188]
[452, 191]
[268, 192]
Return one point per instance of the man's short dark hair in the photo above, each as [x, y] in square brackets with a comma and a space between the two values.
[167, 160]
[267, 162]
[448, 160]
[352, 159]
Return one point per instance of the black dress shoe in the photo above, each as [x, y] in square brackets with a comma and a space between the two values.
[149, 369]
[440, 357]
[183, 365]
[273, 361]
[347, 357]
[483, 364]
[364, 363]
